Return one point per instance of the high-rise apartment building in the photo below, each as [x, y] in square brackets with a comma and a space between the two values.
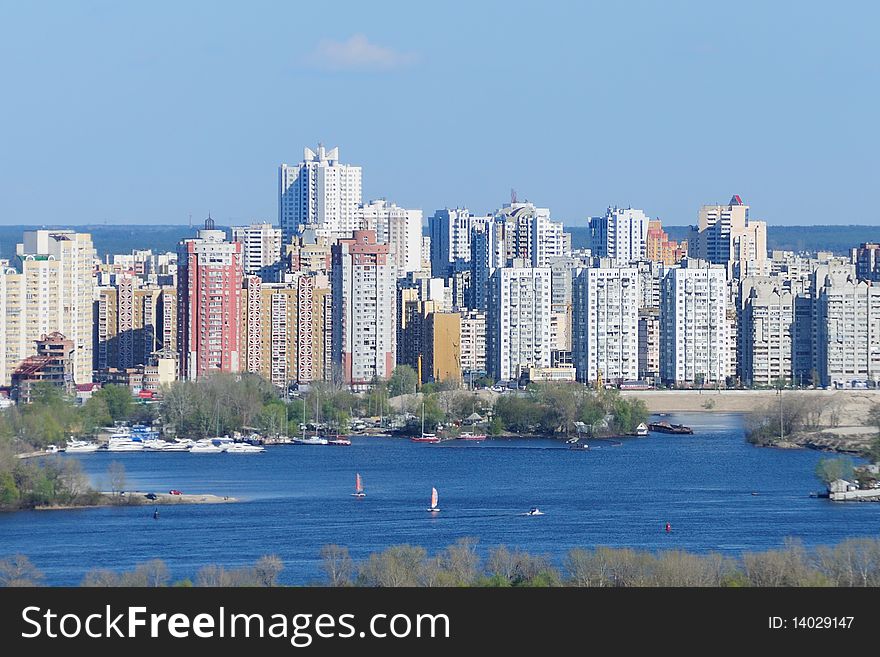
[209, 291]
[450, 233]
[52, 292]
[694, 329]
[726, 236]
[518, 327]
[261, 247]
[473, 343]
[286, 329]
[847, 317]
[766, 329]
[659, 248]
[131, 323]
[398, 227]
[319, 193]
[649, 344]
[867, 261]
[621, 234]
[605, 338]
[364, 287]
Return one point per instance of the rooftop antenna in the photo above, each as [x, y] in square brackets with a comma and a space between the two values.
[512, 196]
[190, 220]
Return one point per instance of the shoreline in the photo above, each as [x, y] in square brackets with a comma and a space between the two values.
[137, 498]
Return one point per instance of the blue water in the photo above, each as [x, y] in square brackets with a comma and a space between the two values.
[296, 499]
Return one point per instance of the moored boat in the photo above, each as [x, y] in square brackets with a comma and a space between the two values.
[310, 440]
[245, 448]
[206, 446]
[666, 427]
[339, 441]
[469, 435]
[81, 447]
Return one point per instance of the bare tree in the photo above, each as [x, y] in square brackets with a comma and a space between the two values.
[337, 564]
[267, 569]
[18, 571]
[116, 474]
[99, 578]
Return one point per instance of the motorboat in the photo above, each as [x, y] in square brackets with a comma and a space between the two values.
[640, 431]
[339, 441]
[177, 446]
[535, 511]
[206, 446]
[81, 447]
[124, 443]
[52, 449]
[245, 448]
[310, 440]
[469, 435]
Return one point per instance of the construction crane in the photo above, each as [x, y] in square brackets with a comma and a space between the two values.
[599, 384]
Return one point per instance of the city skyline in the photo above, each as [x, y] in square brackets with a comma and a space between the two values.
[601, 106]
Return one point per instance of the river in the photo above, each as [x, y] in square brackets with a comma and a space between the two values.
[716, 491]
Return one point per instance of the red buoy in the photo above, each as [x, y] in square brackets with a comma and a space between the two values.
[668, 527]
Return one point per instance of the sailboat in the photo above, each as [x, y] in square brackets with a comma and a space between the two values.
[425, 437]
[311, 440]
[358, 487]
[434, 499]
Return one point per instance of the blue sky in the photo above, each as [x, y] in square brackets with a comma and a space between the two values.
[150, 112]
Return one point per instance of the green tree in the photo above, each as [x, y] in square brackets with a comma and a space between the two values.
[832, 469]
[118, 399]
[403, 381]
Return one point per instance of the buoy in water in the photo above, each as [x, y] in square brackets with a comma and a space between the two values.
[668, 527]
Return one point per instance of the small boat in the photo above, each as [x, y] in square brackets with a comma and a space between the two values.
[311, 440]
[52, 449]
[245, 448]
[469, 435]
[339, 441]
[156, 514]
[426, 438]
[81, 447]
[579, 446]
[665, 427]
[535, 511]
[434, 499]
[358, 487]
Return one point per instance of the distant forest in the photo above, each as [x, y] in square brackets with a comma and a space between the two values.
[160, 238]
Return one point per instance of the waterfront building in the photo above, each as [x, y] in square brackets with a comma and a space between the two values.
[209, 291]
[621, 234]
[649, 344]
[450, 233]
[765, 332]
[53, 364]
[319, 193]
[725, 235]
[694, 326]
[130, 323]
[847, 319]
[604, 340]
[286, 329]
[364, 288]
[261, 248]
[51, 292]
[518, 327]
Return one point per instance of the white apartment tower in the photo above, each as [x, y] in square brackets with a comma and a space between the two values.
[398, 227]
[318, 193]
[364, 289]
[450, 232]
[765, 333]
[694, 331]
[726, 236]
[605, 323]
[518, 328]
[473, 343]
[53, 292]
[847, 316]
[621, 234]
[261, 246]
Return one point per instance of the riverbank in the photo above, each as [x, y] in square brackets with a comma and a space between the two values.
[136, 498]
[852, 405]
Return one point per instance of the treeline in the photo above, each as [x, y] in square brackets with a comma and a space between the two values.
[554, 409]
[854, 562]
[28, 483]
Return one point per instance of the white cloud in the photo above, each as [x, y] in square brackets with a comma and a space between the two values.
[357, 54]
